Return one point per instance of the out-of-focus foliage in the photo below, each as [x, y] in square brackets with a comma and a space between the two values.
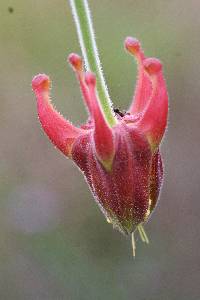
[54, 241]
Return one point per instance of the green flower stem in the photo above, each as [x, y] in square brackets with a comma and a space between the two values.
[82, 17]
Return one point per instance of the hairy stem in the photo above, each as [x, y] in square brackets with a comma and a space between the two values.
[83, 21]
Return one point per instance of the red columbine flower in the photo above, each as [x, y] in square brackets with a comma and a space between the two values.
[122, 164]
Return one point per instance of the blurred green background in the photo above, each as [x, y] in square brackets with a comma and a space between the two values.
[54, 241]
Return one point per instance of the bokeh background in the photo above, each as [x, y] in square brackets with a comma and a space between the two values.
[54, 241]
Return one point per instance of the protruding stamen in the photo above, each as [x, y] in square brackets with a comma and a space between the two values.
[143, 85]
[133, 243]
[60, 131]
[103, 136]
[143, 234]
[154, 120]
[77, 64]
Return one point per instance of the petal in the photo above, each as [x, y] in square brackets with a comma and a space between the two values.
[154, 119]
[156, 179]
[77, 64]
[143, 84]
[60, 131]
[103, 136]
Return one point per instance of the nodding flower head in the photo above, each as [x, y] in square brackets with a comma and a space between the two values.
[121, 163]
